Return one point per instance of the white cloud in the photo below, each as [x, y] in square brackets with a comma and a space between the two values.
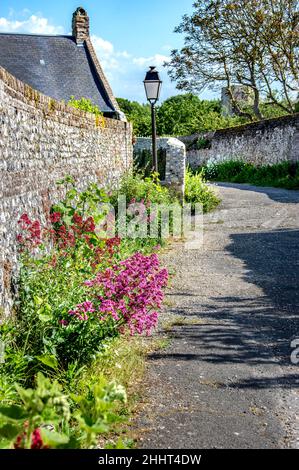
[126, 72]
[34, 24]
[106, 54]
[111, 59]
[118, 60]
[156, 60]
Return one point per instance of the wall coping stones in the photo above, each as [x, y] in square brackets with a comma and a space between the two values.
[56, 110]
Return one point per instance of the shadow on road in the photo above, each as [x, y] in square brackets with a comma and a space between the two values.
[249, 330]
[276, 194]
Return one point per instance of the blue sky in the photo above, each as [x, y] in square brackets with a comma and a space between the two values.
[128, 35]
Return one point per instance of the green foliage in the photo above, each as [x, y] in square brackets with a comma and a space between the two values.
[49, 345]
[197, 192]
[149, 190]
[96, 411]
[42, 417]
[283, 175]
[203, 143]
[47, 294]
[187, 114]
[143, 161]
[138, 114]
[52, 284]
[86, 105]
[42, 406]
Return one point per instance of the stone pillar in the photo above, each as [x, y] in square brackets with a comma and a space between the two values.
[176, 165]
[80, 26]
[175, 171]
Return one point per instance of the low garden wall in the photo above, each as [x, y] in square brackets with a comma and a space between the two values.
[42, 141]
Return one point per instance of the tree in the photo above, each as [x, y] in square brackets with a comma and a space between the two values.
[187, 114]
[138, 114]
[254, 43]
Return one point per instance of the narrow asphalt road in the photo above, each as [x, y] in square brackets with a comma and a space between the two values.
[226, 380]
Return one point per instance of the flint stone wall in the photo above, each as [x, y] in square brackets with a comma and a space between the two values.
[175, 160]
[42, 141]
[266, 142]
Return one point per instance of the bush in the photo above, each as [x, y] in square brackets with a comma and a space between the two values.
[197, 192]
[138, 114]
[78, 292]
[285, 174]
[187, 114]
[86, 105]
[60, 318]
[41, 418]
[138, 188]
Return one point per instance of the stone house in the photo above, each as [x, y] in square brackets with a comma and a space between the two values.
[60, 66]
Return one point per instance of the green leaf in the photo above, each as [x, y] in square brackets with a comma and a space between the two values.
[53, 439]
[9, 431]
[68, 220]
[97, 428]
[14, 412]
[38, 300]
[72, 194]
[44, 318]
[48, 360]
[59, 208]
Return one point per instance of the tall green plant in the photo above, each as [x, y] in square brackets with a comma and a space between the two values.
[198, 192]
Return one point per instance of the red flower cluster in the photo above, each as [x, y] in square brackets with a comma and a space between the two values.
[36, 440]
[55, 217]
[31, 233]
[106, 252]
[67, 237]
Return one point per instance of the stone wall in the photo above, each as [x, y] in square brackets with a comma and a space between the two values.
[175, 159]
[41, 141]
[265, 142]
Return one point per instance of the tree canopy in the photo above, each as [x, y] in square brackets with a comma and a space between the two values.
[254, 43]
[185, 114]
[138, 114]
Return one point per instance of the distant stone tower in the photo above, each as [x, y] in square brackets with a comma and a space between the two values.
[242, 94]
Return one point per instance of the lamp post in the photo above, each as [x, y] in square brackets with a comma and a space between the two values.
[152, 85]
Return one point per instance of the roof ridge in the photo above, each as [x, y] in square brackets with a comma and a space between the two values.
[37, 35]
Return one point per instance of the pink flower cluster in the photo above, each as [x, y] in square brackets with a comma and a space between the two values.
[130, 293]
[82, 310]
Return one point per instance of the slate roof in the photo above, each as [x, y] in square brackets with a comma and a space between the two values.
[55, 66]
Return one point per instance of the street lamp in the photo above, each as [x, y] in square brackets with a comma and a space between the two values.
[152, 85]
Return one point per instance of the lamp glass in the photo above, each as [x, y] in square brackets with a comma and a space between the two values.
[152, 90]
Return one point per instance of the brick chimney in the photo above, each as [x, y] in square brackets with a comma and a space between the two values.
[80, 25]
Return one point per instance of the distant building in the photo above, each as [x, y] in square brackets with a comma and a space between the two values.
[60, 66]
[242, 94]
